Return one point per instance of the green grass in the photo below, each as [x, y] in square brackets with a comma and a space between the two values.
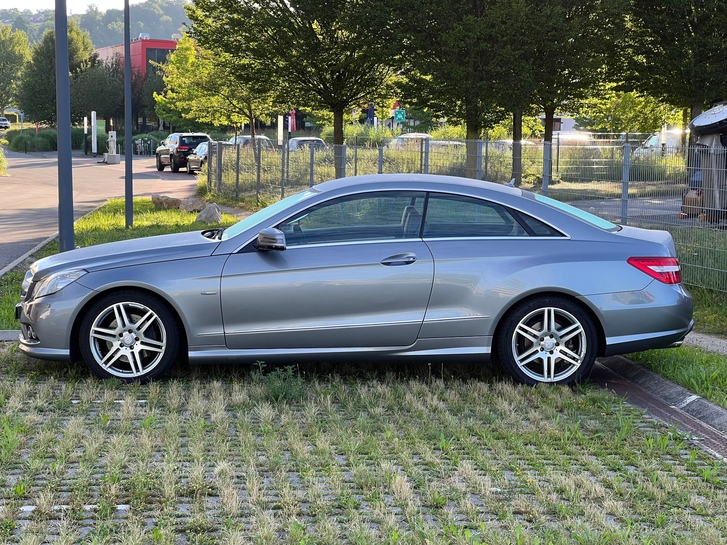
[345, 454]
[341, 455]
[107, 224]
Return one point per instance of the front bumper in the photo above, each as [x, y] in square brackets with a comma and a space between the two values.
[46, 324]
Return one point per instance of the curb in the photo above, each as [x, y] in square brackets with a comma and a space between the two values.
[9, 335]
[672, 395]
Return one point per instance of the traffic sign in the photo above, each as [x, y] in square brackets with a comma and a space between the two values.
[399, 116]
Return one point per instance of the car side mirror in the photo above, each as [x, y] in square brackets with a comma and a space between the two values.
[270, 239]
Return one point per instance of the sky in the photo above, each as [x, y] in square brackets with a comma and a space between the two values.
[73, 6]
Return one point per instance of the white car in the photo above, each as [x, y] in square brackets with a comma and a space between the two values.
[4, 123]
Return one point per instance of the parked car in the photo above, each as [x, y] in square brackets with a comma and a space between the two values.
[670, 142]
[306, 142]
[379, 267]
[245, 140]
[4, 123]
[176, 147]
[409, 140]
[198, 157]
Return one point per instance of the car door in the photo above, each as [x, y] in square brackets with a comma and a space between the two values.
[348, 278]
[479, 246]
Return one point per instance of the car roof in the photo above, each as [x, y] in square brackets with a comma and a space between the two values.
[431, 182]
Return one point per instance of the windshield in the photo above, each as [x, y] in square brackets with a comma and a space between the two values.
[266, 213]
[578, 213]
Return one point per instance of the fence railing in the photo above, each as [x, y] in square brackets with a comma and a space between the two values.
[619, 181]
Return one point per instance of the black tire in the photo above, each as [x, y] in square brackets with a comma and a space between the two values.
[548, 340]
[173, 163]
[189, 168]
[160, 166]
[142, 348]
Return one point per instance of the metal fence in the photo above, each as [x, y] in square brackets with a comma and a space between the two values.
[614, 179]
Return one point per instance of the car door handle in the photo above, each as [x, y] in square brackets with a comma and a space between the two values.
[399, 259]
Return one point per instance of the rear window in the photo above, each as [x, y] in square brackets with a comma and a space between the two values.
[192, 140]
[578, 213]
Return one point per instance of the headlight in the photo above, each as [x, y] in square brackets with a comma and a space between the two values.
[57, 281]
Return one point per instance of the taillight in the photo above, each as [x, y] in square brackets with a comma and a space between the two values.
[182, 148]
[664, 269]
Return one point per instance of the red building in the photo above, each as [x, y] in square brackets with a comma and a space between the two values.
[143, 50]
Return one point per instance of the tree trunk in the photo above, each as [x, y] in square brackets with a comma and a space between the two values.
[517, 147]
[474, 128]
[338, 140]
[549, 115]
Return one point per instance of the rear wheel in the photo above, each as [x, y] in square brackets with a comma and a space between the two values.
[129, 335]
[160, 166]
[548, 340]
[173, 163]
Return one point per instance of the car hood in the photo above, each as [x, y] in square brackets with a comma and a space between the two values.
[128, 252]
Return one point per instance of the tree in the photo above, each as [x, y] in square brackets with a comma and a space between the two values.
[567, 51]
[99, 88]
[212, 87]
[328, 54]
[619, 112]
[460, 61]
[37, 93]
[14, 53]
[675, 51]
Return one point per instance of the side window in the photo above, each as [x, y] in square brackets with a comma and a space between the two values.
[457, 216]
[372, 216]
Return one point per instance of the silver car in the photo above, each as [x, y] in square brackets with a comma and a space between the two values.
[383, 267]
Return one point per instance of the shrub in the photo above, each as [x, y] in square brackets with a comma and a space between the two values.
[3, 161]
[51, 137]
[22, 142]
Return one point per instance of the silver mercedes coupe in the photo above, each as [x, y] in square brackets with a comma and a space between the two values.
[379, 268]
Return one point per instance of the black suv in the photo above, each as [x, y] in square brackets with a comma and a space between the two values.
[174, 150]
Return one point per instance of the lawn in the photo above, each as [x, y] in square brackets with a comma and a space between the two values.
[317, 454]
[351, 454]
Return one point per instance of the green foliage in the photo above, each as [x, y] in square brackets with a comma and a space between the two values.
[3, 160]
[212, 87]
[331, 55]
[359, 134]
[675, 53]
[617, 112]
[281, 384]
[14, 53]
[37, 92]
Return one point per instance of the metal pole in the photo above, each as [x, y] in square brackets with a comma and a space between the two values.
[425, 169]
[478, 175]
[63, 113]
[381, 159]
[218, 174]
[128, 130]
[343, 161]
[312, 165]
[237, 170]
[625, 184]
[547, 150]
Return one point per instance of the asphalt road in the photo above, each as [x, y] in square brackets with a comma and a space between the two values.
[29, 205]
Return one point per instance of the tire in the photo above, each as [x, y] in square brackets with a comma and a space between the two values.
[129, 335]
[548, 340]
[189, 168]
[160, 166]
[173, 163]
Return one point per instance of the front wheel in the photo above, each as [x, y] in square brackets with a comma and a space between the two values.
[160, 166]
[129, 335]
[548, 340]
